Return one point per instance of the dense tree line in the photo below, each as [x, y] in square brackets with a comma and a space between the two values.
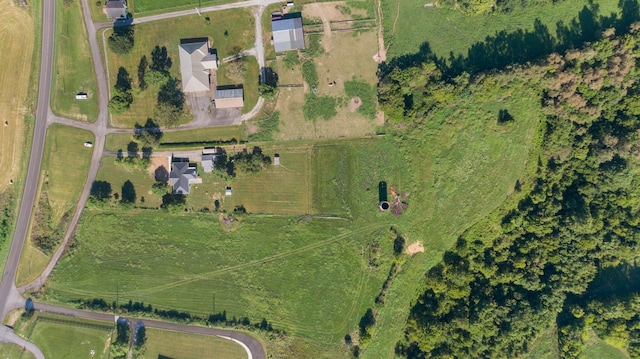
[501, 286]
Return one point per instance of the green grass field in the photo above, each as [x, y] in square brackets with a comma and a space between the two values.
[96, 7]
[407, 24]
[74, 68]
[170, 344]
[65, 165]
[249, 81]
[237, 23]
[62, 337]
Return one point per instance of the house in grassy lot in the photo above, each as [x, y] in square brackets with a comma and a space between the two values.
[196, 63]
[115, 9]
[228, 98]
[183, 174]
[287, 33]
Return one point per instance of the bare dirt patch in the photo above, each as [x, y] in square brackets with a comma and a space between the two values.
[415, 248]
[17, 30]
[354, 104]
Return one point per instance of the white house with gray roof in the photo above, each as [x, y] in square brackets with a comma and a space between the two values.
[287, 34]
[196, 64]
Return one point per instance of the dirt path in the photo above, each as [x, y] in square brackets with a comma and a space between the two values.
[326, 25]
[381, 56]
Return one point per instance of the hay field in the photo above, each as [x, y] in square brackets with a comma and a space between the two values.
[15, 51]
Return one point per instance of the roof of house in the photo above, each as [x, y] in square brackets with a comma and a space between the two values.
[287, 34]
[229, 98]
[114, 9]
[207, 163]
[210, 61]
[181, 176]
[195, 77]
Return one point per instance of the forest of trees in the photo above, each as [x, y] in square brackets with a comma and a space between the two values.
[500, 287]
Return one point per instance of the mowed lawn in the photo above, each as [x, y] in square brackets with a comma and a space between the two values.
[236, 23]
[170, 344]
[283, 189]
[148, 7]
[118, 174]
[62, 337]
[73, 66]
[408, 24]
[249, 81]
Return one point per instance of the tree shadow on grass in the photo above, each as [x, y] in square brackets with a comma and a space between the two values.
[522, 46]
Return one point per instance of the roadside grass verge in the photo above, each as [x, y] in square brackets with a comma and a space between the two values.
[65, 337]
[248, 80]
[64, 170]
[14, 351]
[116, 141]
[73, 66]
[408, 24]
[170, 344]
[96, 7]
[237, 23]
[151, 7]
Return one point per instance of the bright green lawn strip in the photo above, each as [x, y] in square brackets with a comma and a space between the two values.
[597, 348]
[237, 22]
[69, 340]
[65, 166]
[172, 344]
[73, 66]
[294, 273]
[118, 174]
[449, 30]
[150, 7]
[249, 84]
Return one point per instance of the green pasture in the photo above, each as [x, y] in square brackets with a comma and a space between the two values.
[271, 267]
[249, 81]
[60, 337]
[170, 344]
[150, 7]
[236, 23]
[408, 24]
[73, 66]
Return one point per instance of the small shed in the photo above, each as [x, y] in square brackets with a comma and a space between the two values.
[228, 192]
[276, 160]
[207, 163]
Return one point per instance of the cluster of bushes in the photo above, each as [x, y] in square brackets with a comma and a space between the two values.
[6, 216]
[44, 235]
[310, 75]
[367, 95]
[315, 107]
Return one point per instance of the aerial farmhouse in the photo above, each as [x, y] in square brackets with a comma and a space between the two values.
[196, 63]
